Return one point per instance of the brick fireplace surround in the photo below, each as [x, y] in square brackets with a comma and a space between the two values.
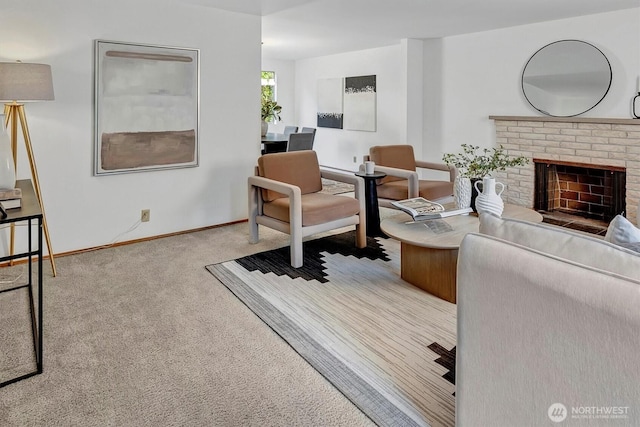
[593, 141]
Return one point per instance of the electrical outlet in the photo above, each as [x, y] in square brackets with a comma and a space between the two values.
[145, 215]
[355, 159]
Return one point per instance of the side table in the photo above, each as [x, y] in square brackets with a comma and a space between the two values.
[29, 212]
[371, 202]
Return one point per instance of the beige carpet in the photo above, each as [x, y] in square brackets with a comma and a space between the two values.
[142, 335]
[350, 315]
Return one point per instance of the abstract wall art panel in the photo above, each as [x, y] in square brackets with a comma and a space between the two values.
[360, 103]
[146, 107]
[330, 103]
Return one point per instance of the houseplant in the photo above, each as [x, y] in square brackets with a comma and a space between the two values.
[270, 112]
[473, 164]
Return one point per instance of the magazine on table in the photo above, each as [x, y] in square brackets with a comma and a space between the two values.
[422, 209]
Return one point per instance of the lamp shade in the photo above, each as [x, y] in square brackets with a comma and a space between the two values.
[20, 81]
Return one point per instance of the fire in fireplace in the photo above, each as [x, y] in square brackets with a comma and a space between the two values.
[577, 195]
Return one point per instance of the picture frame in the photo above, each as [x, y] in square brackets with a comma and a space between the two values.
[147, 107]
[348, 103]
[330, 105]
[360, 94]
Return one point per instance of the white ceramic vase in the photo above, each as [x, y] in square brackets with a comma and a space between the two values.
[264, 127]
[462, 192]
[489, 200]
[7, 168]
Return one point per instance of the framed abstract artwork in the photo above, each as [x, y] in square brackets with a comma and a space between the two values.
[360, 103]
[146, 107]
[330, 103]
[347, 103]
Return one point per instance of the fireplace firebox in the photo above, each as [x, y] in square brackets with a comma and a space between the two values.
[566, 192]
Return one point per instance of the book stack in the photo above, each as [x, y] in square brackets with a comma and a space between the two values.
[11, 198]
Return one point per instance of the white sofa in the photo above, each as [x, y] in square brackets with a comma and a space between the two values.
[548, 328]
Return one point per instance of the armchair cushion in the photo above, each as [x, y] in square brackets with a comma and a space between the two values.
[299, 168]
[317, 208]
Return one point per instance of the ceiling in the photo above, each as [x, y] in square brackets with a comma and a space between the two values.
[296, 29]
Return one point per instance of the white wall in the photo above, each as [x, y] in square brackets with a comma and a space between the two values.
[467, 78]
[477, 76]
[481, 73]
[337, 147]
[285, 91]
[413, 59]
[85, 211]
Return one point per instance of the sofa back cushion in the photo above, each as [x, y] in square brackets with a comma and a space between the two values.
[393, 156]
[534, 329]
[299, 168]
[562, 243]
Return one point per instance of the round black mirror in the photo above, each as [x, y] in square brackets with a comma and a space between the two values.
[566, 78]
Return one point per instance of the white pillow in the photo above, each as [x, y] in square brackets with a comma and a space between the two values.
[622, 231]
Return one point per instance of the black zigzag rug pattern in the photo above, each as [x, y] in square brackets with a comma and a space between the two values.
[278, 261]
[379, 340]
[447, 359]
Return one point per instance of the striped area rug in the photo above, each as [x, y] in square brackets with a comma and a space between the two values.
[335, 187]
[386, 345]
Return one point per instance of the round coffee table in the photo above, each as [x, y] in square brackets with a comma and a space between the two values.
[429, 249]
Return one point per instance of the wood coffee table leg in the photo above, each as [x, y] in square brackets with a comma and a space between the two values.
[433, 270]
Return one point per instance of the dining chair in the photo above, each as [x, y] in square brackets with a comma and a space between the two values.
[300, 141]
[286, 195]
[308, 130]
[288, 130]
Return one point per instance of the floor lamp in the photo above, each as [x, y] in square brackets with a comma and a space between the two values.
[24, 82]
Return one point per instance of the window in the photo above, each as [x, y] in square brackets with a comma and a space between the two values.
[270, 108]
[269, 85]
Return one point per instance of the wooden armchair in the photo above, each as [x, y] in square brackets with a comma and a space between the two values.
[402, 182]
[285, 195]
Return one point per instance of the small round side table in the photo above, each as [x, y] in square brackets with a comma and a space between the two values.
[371, 202]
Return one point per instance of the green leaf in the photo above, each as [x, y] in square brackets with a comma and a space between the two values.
[474, 164]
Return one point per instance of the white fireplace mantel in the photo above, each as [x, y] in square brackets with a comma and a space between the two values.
[613, 121]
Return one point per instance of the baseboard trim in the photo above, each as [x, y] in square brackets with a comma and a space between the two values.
[124, 243]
